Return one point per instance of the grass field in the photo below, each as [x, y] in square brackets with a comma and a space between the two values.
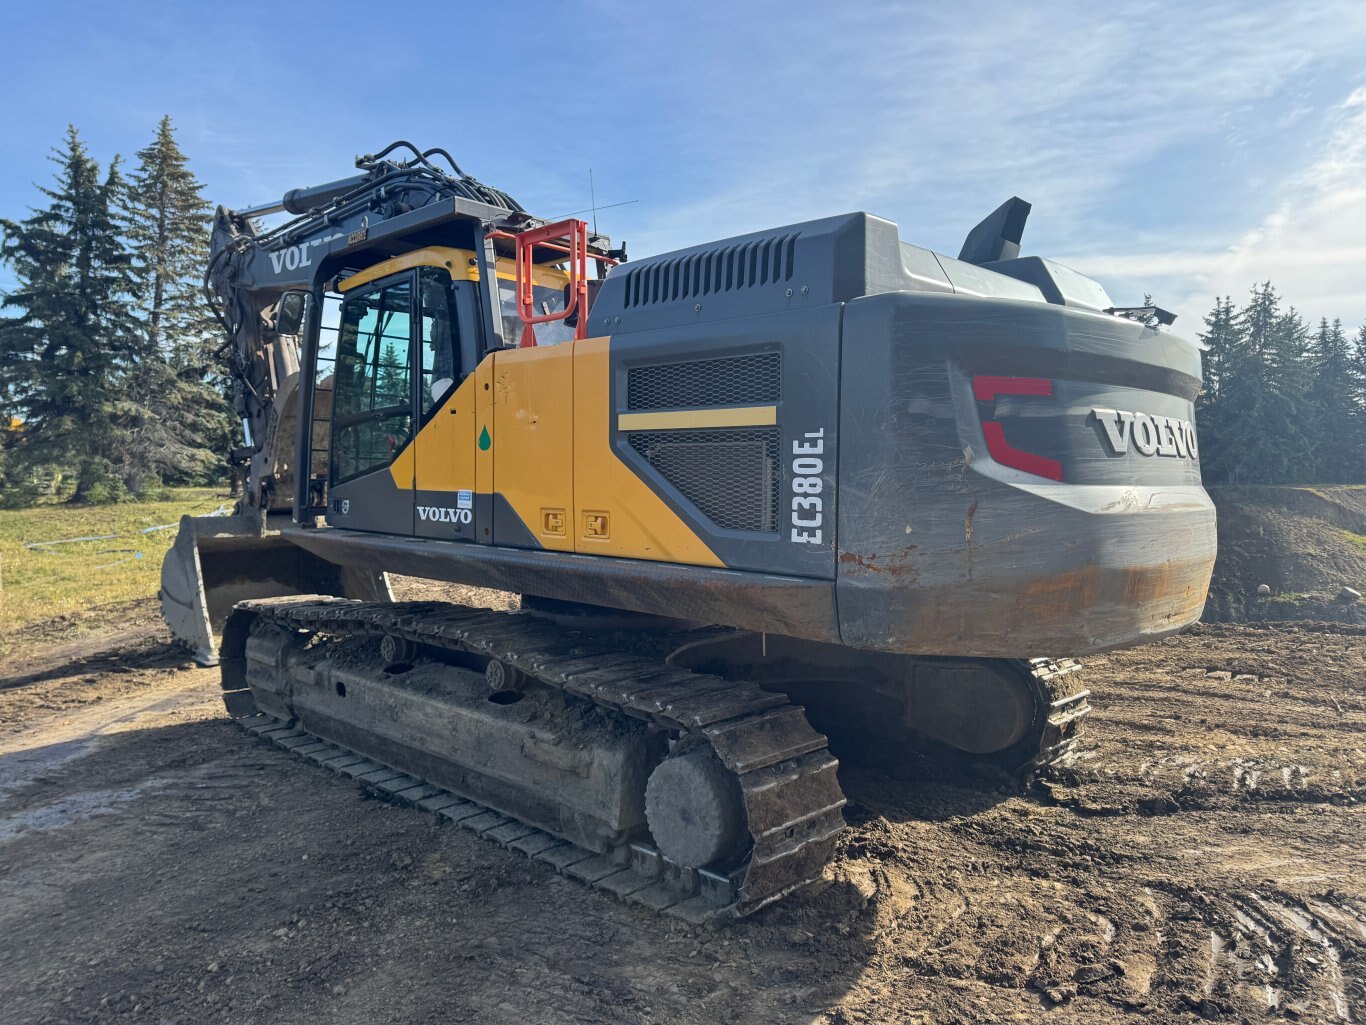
[58, 580]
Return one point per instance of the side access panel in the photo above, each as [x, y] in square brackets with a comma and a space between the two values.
[615, 512]
[533, 447]
[730, 426]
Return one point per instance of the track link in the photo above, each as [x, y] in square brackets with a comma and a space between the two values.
[1058, 683]
[786, 774]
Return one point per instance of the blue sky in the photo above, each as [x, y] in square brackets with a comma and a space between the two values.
[1185, 149]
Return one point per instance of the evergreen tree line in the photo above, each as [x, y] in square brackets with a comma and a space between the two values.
[1283, 402]
[108, 388]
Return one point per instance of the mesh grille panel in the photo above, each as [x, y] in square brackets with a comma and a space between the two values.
[732, 476]
[731, 381]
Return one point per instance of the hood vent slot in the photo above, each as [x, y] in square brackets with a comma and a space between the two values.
[765, 261]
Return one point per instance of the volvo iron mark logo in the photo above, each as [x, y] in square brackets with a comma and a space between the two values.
[1149, 435]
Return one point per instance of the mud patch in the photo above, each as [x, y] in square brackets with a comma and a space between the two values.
[67, 810]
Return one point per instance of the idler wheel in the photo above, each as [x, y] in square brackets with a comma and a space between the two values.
[694, 808]
[503, 678]
[396, 650]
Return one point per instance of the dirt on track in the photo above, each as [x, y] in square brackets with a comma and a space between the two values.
[1204, 859]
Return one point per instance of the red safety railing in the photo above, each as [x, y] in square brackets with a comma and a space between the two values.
[570, 238]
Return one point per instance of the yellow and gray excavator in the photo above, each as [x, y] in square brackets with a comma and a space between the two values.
[800, 484]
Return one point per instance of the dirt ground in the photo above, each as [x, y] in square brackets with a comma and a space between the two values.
[1304, 543]
[1205, 859]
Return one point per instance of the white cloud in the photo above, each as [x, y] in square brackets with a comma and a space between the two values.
[1311, 245]
[938, 113]
[1161, 144]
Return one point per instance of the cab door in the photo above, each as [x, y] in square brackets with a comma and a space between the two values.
[370, 485]
[444, 450]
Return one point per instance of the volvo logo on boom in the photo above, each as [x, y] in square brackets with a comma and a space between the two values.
[290, 258]
[1149, 435]
[294, 257]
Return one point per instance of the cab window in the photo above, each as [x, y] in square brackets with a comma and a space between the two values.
[371, 398]
[547, 300]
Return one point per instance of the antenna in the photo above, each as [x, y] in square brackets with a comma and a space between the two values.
[593, 197]
[605, 206]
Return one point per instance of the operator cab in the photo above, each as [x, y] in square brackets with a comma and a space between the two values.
[405, 337]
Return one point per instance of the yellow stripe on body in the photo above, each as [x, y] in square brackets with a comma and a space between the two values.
[457, 262]
[731, 416]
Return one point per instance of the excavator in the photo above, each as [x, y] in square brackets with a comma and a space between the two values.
[800, 490]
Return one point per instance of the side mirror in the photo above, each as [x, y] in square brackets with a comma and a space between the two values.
[289, 313]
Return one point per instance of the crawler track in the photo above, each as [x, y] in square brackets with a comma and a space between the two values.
[786, 775]
[1059, 684]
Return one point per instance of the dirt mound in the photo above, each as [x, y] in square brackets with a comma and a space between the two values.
[1305, 543]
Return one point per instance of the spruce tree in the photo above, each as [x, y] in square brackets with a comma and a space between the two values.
[1356, 426]
[74, 337]
[1149, 319]
[168, 230]
[9, 411]
[1223, 341]
[1259, 434]
[176, 414]
[1287, 356]
[1333, 405]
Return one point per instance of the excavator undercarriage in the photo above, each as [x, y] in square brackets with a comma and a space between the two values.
[688, 791]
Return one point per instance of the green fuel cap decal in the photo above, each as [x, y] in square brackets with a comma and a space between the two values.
[484, 440]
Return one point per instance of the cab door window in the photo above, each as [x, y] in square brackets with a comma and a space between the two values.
[439, 342]
[372, 415]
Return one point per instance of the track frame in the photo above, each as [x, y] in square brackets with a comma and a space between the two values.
[786, 774]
